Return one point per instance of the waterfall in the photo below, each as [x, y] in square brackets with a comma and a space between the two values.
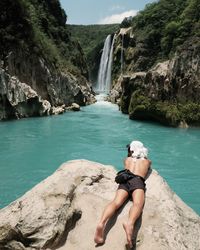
[122, 55]
[109, 70]
[104, 74]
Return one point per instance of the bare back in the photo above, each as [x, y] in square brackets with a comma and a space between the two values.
[137, 166]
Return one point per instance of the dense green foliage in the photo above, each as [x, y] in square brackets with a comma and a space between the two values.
[38, 26]
[164, 25]
[158, 32]
[168, 113]
[91, 39]
[90, 36]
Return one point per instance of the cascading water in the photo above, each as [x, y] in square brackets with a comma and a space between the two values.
[104, 74]
[109, 69]
[122, 55]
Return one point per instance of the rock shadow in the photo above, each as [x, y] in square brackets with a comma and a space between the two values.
[135, 233]
[59, 240]
[148, 173]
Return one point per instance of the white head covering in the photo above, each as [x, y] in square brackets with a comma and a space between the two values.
[139, 151]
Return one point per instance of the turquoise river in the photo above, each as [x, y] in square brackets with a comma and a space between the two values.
[32, 149]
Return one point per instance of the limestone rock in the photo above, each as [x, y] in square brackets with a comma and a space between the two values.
[55, 86]
[58, 110]
[46, 108]
[116, 91]
[62, 211]
[74, 107]
[162, 95]
[170, 91]
[35, 85]
[17, 99]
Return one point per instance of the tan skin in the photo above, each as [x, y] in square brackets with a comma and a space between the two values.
[138, 167]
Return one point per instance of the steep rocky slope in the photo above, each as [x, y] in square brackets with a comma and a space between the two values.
[62, 212]
[159, 77]
[37, 50]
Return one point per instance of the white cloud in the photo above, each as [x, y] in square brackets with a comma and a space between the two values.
[117, 18]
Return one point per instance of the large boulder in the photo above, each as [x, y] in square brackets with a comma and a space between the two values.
[62, 212]
[18, 100]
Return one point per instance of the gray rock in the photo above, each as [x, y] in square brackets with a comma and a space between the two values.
[34, 85]
[171, 89]
[17, 99]
[58, 110]
[116, 91]
[62, 212]
[73, 107]
[51, 84]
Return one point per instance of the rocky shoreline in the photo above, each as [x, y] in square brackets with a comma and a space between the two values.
[62, 211]
[61, 92]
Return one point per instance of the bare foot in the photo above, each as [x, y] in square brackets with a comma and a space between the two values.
[129, 230]
[98, 238]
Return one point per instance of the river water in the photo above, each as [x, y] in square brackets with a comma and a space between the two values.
[32, 149]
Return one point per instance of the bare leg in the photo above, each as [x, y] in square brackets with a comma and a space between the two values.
[120, 197]
[134, 213]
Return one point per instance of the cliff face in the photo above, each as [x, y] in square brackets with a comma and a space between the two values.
[19, 100]
[156, 72]
[37, 50]
[168, 92]
[62, 212]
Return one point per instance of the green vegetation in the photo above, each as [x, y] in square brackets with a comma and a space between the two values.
[165, 112]
[138, 103]
[39, 27]
[163, 26]
[162, 29]
[90, 36]
[168, 23]
[91, 39]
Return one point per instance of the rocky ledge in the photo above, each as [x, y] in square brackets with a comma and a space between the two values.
[62, 211]
[29, 86]
[19, 100]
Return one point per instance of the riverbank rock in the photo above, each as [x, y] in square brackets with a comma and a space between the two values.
[43, 55]
[18, 100]
[58, 110]
[73, 107]
[161, 95]
[62, 212]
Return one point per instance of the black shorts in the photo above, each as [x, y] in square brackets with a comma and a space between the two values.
[131, 185]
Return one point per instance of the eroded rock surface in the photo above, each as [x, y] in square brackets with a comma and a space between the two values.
[166, 92]
[62, 211]
[31, 87]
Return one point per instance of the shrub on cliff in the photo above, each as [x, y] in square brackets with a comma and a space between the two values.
[164, 25]
[190, 112]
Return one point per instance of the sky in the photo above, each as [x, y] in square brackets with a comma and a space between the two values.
[101, 11]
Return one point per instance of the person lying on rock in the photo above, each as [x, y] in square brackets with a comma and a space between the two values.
[131, 185]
